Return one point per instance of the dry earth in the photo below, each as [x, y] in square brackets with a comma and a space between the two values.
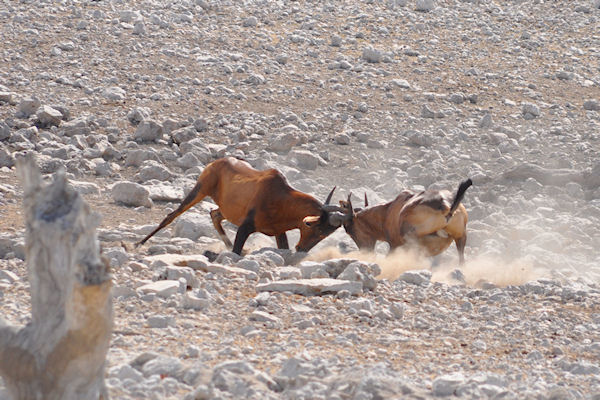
[371, 96]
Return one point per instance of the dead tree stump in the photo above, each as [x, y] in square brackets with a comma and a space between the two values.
[61, 353]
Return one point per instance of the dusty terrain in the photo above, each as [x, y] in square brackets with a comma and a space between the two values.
[372, 96]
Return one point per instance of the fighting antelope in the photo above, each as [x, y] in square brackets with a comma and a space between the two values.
[258, 201]
[432, 219]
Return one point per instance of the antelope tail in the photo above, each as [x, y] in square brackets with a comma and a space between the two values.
[189, 200]
[460, 193]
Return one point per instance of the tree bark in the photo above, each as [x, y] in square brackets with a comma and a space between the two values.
[61, 353]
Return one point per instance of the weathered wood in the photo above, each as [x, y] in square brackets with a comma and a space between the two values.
[61, 353]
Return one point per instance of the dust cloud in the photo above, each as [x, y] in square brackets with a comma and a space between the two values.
[475, 270]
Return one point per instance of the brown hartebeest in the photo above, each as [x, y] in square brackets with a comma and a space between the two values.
[259, 201]
[432, 219]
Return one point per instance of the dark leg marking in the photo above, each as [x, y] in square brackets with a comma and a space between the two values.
[246, 228]
[282, 241]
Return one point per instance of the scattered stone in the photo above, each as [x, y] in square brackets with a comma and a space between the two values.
[6, 97]
[419, 138]
[422, 277]
[591, 105]
[201, 125]
[427, 112]
[305, 159]
[342, 139]
[138, 115]
[226, 270]
[131, 194]
[126, 371]
[311, 287]
[361, 272]
[114, 93]
[194, 225]
[424, 5]
[530, 111]
[4, 131]
[153, 170]
[447, 385]
[6, 158]
[262, 316]
[27, 107]
[371, 55]
[250, 22]
[76, 127]
[194, 302]
[486, 121]
[162, 366]
[273, 82]
[401, 83]
[336, 41]
[283, 143]
[162, 289]
[160, 321]
[48, 116]
[457, 98]
[8, 276]
[137, 157]
[175, 273]
[148, 131]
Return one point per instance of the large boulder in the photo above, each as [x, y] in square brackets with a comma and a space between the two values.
[131, 194]
[148, 131]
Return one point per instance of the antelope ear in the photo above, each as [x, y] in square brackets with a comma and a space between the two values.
[311, 220]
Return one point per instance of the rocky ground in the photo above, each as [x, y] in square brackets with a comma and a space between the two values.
[133, 98]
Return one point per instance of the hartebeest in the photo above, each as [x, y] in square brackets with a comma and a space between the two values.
[259, 201]
[432, 219]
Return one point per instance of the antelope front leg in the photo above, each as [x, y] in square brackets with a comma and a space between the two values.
[246, 228]
[217, 218]
[282, 241]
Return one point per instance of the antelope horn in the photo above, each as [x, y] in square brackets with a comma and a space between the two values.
[329, 197]
[350, 203]
[366, 201]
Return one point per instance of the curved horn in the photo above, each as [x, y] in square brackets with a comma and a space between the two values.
[329, 197]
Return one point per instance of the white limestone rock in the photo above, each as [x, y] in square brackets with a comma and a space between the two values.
[138, 114]
[192, 225]
[131, 194]
[48, 116]
[151, 169]
[371, 55]
[446, 385]
[160, 288]
[421, 277]
[283, 142]
[311, 287]
[148, 131]
[424, 5]
[114, 93]
[28, 106]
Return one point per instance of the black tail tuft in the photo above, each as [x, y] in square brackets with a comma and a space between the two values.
[460, 193]
[189, 200]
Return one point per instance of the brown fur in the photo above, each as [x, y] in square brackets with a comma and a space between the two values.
[255, 201]
[425, 219]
